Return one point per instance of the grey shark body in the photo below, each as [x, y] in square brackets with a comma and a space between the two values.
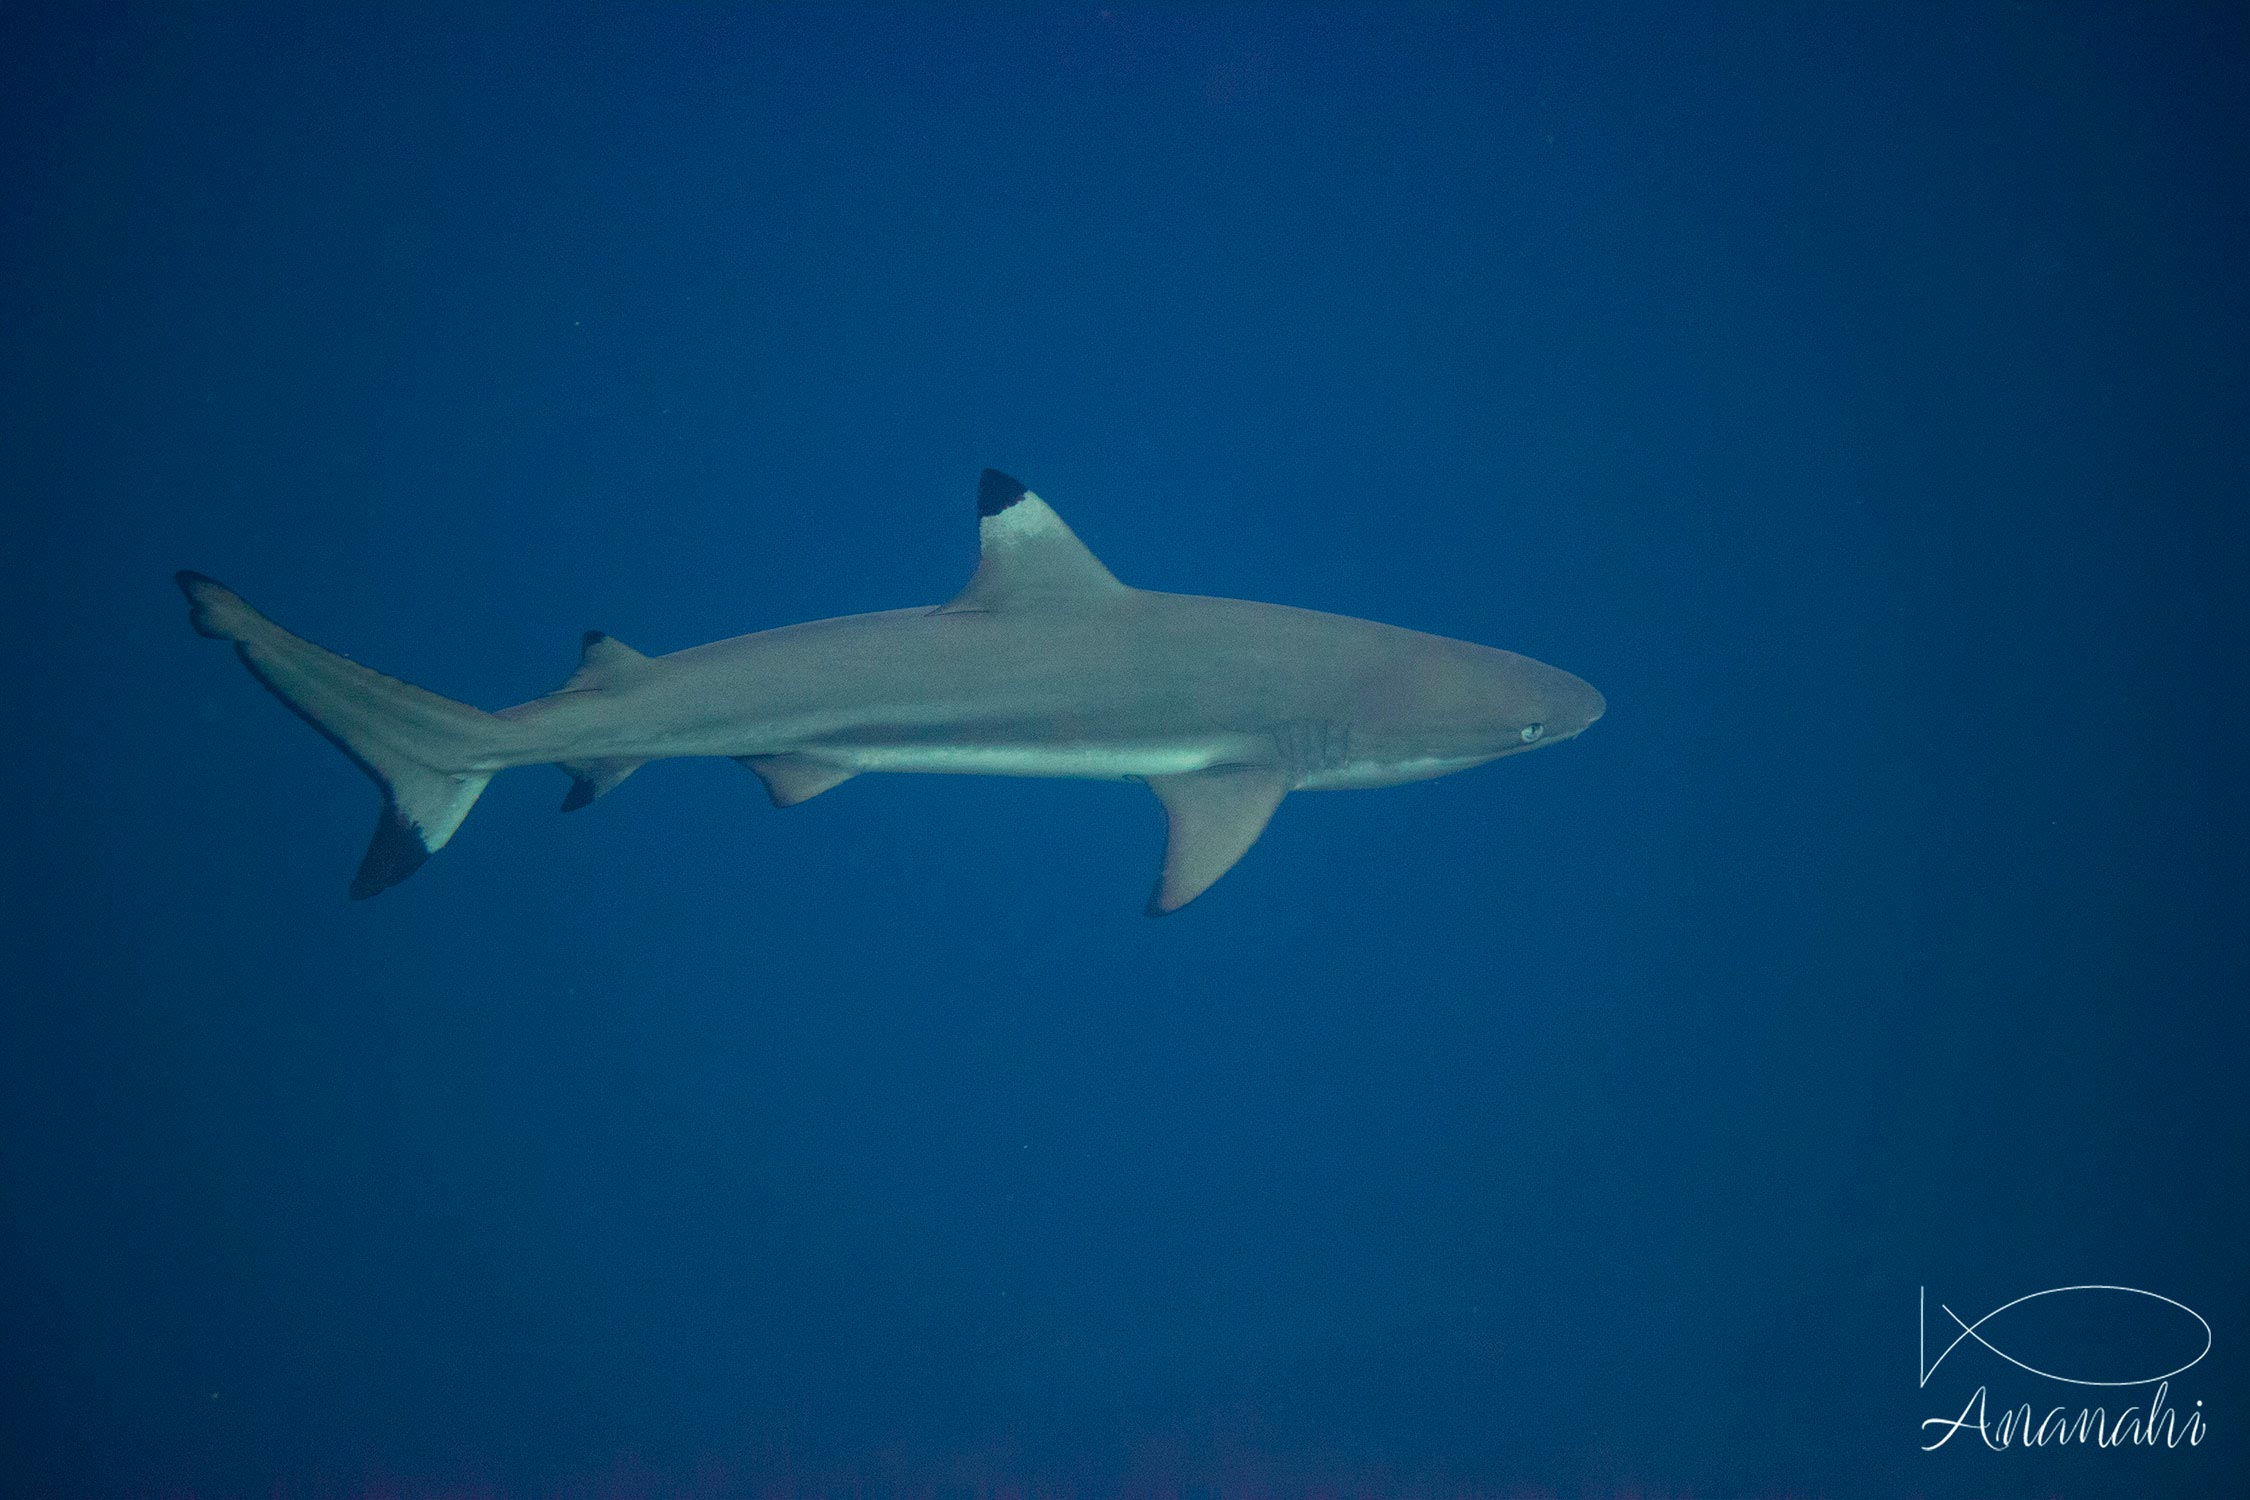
[1045, 665]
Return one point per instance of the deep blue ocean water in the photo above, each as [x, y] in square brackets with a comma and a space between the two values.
[1858, 397]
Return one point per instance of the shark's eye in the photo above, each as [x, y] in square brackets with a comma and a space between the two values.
[1532, 732]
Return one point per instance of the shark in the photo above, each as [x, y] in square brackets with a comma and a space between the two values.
[1043, 665]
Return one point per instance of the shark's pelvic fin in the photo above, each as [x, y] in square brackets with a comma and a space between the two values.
[1027, 556]
[1211, 819]
[791, 779]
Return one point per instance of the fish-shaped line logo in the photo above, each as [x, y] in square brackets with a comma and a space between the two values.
[1976, 1331]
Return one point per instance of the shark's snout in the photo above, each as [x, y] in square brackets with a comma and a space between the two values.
[1569, 703]
[1587, 703]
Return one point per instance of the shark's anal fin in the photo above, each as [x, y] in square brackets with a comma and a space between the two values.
[791, 779]
[590, 778]
[1026, 555]
[1211, 820]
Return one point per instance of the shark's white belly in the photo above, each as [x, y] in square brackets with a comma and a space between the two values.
[1130, 762]
[1088, 762]
[1359, 774]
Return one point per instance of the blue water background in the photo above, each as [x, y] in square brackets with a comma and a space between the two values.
[1857, 396]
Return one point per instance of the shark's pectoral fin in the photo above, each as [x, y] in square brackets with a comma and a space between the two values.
[590, 778]
[1026, 554]
[1211, 820]
[791, 779]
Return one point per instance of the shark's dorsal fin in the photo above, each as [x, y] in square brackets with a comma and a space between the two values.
[603, 663]
[1027, 556]
[1211, 818]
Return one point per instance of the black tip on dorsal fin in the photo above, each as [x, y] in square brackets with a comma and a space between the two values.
[996, 492]
[590, 637]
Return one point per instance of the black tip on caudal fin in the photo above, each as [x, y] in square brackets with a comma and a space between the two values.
[216, 611]
[193, 584]
[996, 492]
[395, 852]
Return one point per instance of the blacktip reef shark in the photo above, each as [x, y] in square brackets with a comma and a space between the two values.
[1045, 665]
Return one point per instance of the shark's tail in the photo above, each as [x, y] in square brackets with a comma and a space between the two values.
[430, 755]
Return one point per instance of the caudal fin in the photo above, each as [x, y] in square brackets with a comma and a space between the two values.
[430, 755]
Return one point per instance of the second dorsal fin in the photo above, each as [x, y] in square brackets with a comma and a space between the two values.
[1026, 555]
[604, 663]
